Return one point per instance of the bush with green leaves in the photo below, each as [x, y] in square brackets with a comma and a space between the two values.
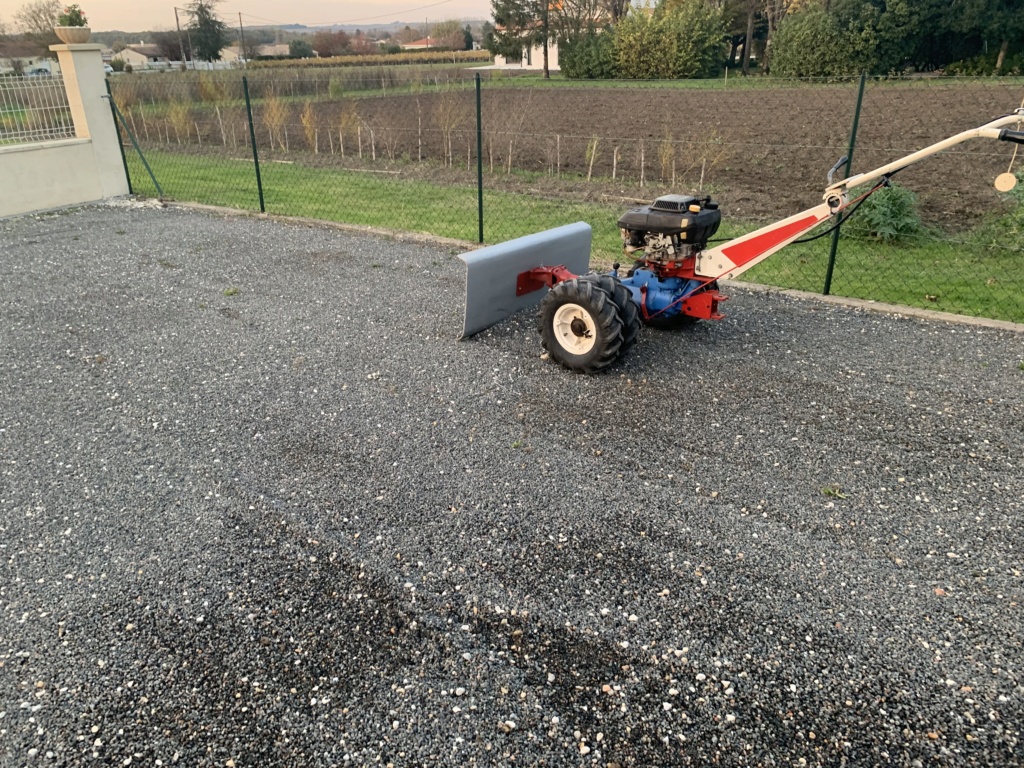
[588, 57]
[1005, 227]
[682, 39]
[643, 49]
[985, 65]
[888, 215]
[810, 44]
[699, 33]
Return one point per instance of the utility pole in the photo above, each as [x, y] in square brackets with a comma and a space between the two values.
[188, 34]
[241, 42]
[181, 44]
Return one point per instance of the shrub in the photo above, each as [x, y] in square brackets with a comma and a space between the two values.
[810, 44]
[1006, 229]
[643, 49]
[888, 215]
[699, 33]
[590, 56]
[985, 65]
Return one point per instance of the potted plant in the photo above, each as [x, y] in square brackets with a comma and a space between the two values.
[72, 26]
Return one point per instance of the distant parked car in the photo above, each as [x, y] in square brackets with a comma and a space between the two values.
[108, 69]
[38, 72]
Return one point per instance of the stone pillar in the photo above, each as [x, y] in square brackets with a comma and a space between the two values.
[85, 83]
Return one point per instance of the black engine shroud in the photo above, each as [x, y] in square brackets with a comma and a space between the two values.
[690, 219]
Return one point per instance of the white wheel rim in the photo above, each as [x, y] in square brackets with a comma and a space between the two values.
[575, 329]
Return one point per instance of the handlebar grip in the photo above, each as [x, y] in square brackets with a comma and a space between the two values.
[839, 164]
[1017, 137]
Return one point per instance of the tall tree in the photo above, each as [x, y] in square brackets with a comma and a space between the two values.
[328, 43]
[616, 9]
[996, 22]
[300, 48]
[170, 46]
[37, 20]
[209, 34]
[448, 34]
[572, 18]
[774, 12]
[520, 24]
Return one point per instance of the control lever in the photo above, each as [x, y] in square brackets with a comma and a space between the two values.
[839, 163]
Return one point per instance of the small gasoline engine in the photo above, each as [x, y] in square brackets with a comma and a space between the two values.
[662, 238]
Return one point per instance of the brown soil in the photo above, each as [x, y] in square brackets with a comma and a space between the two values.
[762, 152]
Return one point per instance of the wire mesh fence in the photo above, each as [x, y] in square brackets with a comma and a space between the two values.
[34, 108]
[410, 149]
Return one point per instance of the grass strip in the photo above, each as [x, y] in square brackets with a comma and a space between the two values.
[934, 274]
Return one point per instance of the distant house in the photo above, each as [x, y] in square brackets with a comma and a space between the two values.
[419, 45]
[233, 54]
[25, 57]
[280, 49]
[533, 58]
[143, 57]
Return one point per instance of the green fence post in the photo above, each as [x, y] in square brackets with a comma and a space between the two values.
[849, 167]
[252, 137]
[120, 139]
[479, 161]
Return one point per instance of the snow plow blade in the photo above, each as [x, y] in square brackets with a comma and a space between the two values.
[492, 272]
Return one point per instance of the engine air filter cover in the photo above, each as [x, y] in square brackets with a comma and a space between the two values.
[693, 219]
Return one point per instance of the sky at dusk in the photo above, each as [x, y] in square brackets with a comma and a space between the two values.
[138, 15]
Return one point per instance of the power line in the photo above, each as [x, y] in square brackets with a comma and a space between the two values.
[351, 21]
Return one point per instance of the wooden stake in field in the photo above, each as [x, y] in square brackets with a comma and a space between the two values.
[220, 122]
[309, 127]
[591, 155]
[131, 116]
[419, 131]
[615, 162]
[641, 163]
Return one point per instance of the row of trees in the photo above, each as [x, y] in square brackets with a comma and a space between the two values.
[205, 35]
[695, 38]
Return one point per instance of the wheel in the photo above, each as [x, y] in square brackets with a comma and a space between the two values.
[629, 310]
[580, 325]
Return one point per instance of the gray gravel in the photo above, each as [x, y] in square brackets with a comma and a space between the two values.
[259, 507]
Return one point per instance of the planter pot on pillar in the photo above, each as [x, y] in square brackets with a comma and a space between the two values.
[73, 35]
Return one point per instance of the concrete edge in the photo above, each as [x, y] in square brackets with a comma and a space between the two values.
[428, 239]
[881, 307]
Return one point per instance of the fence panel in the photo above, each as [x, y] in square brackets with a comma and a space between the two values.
[34, 108]
[194, 133]
[397, 148]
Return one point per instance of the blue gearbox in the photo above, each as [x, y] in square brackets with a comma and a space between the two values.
[664, 297]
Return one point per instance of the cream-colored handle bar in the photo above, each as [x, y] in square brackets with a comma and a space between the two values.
[835, 193]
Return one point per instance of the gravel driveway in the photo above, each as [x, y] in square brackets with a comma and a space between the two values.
[259, 507]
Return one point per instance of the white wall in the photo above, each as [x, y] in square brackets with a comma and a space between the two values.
[51, 174]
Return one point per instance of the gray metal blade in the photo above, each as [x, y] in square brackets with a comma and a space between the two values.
[491, 272]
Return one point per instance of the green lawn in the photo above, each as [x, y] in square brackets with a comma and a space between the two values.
[927, 272]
